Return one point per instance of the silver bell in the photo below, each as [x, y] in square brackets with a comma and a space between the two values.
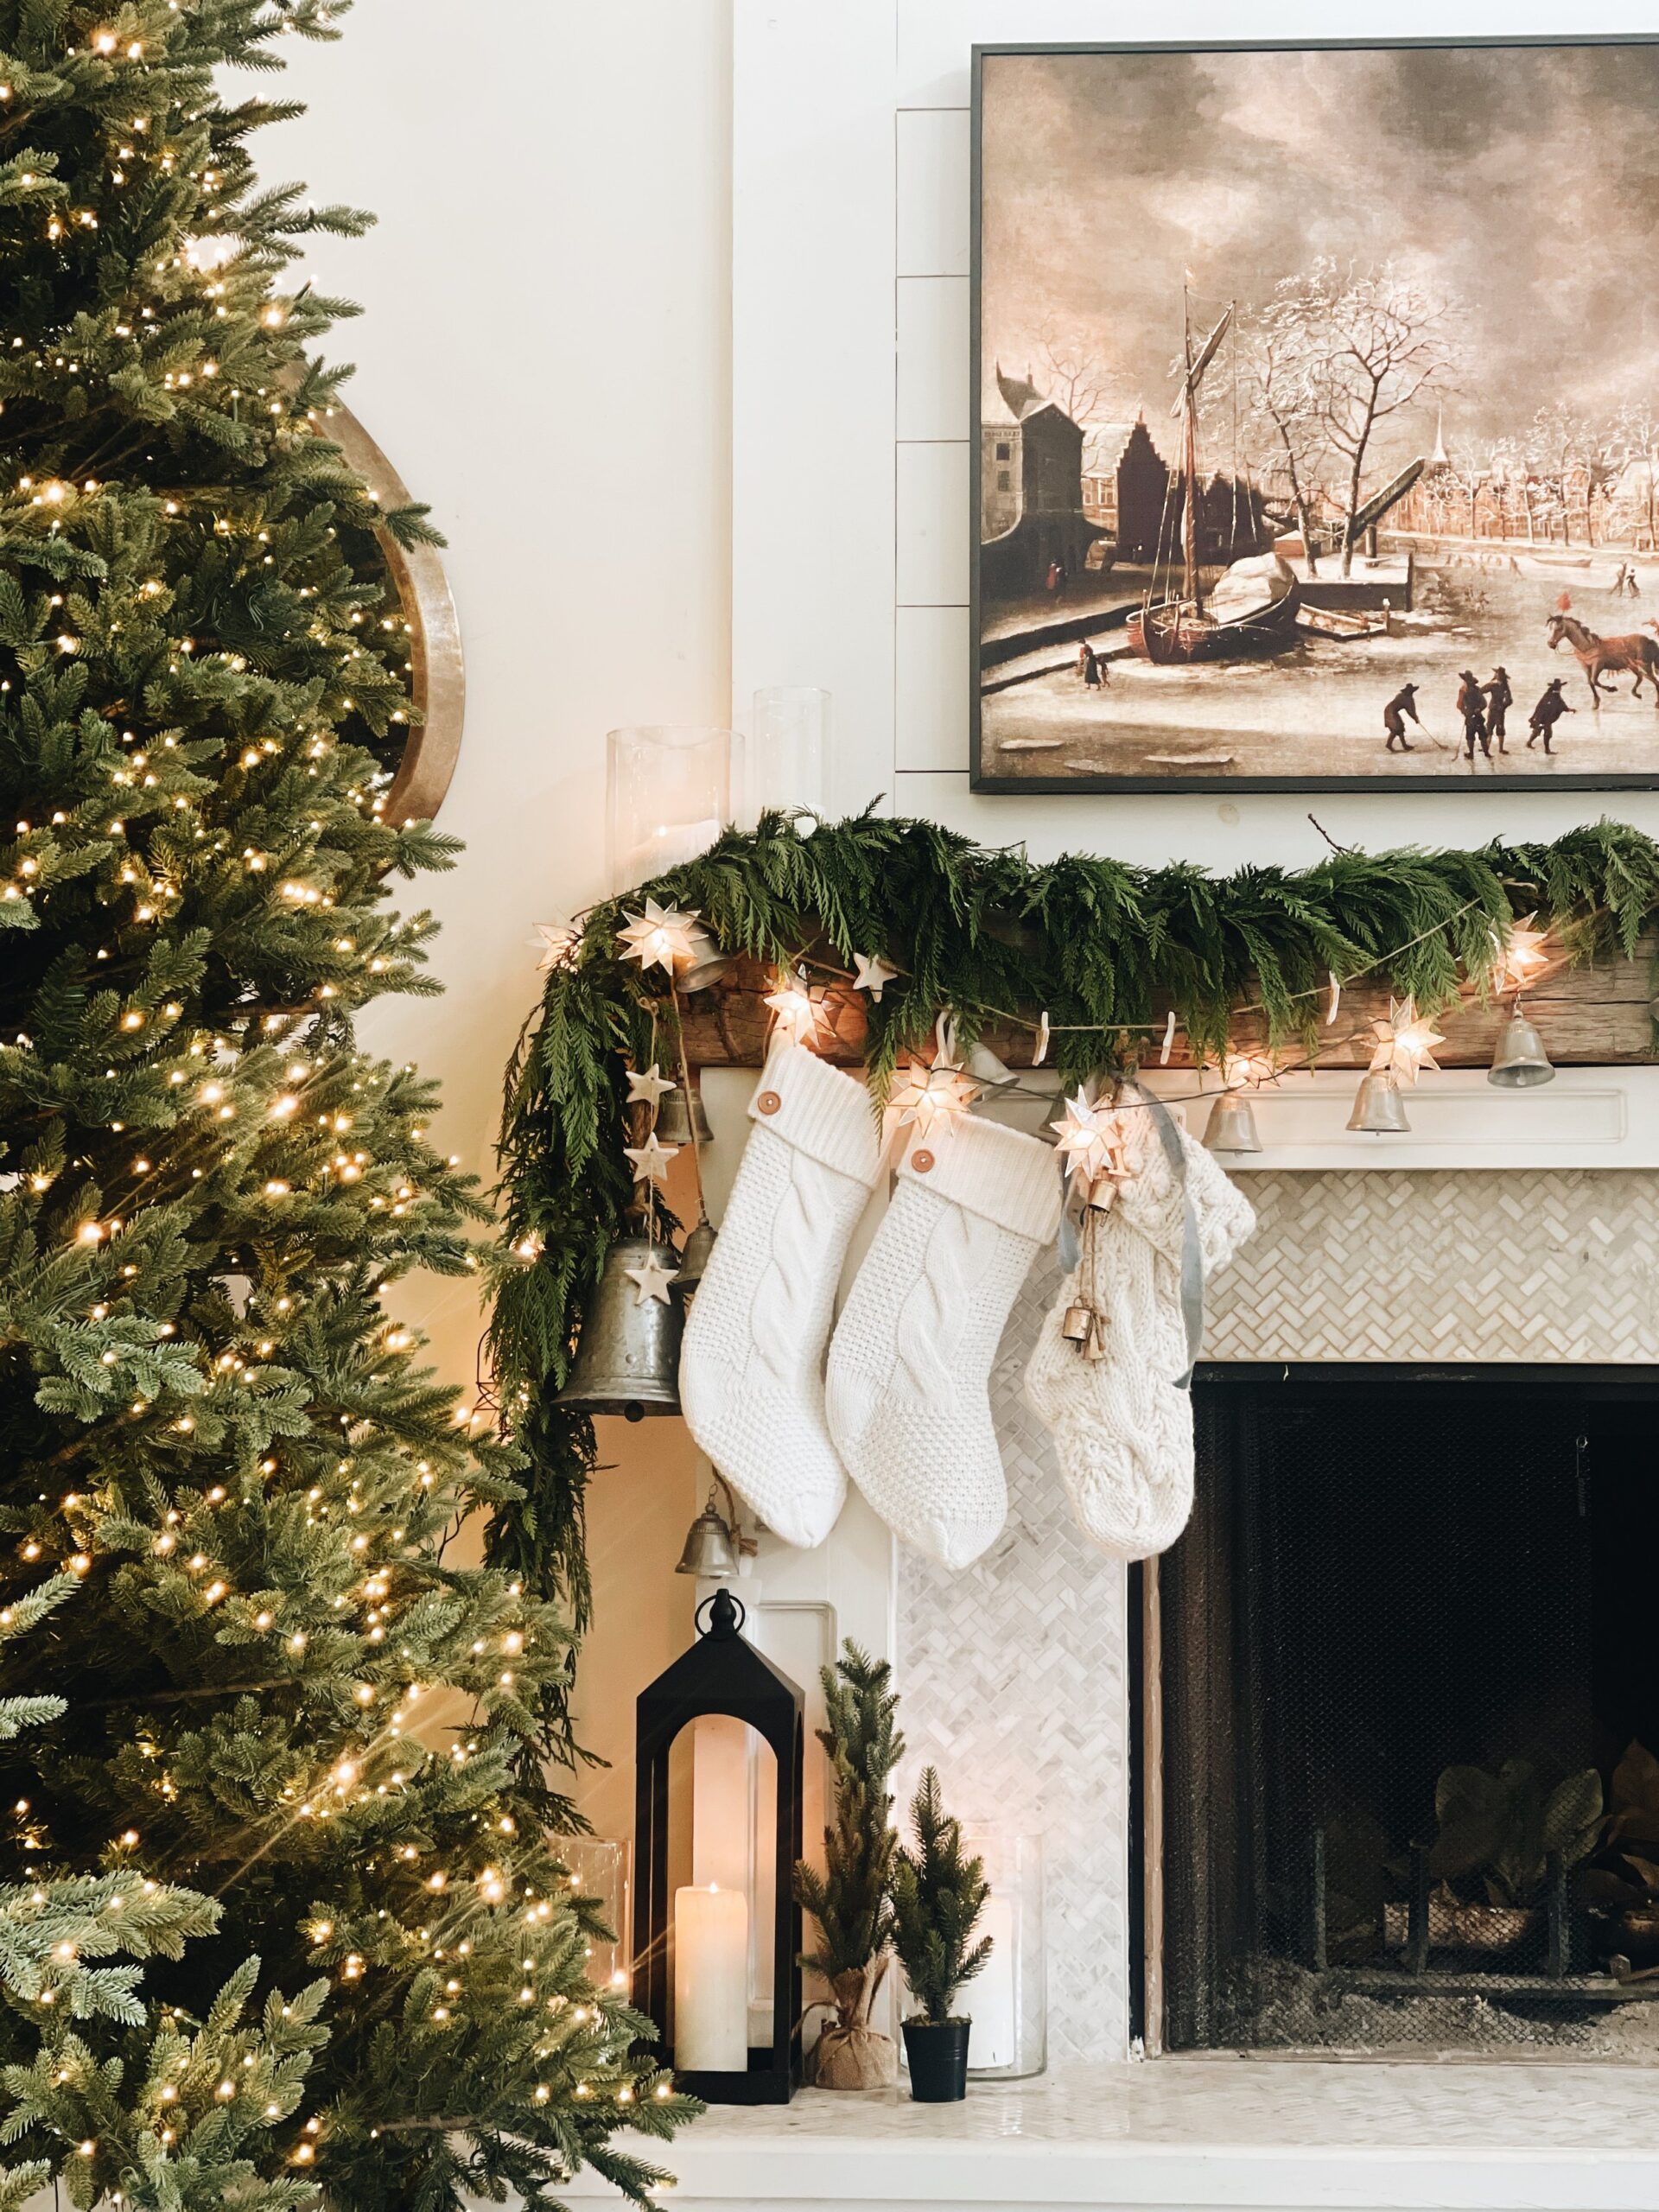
[1520, 1060]
[628, 1356]
[986, 1068]
[1379, 1109]
[674, 1125]
[1231, 1126]
[695, 1256]
[711, 1552]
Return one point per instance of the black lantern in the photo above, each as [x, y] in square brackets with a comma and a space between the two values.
[693, 1944]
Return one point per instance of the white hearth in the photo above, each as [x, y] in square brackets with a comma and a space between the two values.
[1189, 2134]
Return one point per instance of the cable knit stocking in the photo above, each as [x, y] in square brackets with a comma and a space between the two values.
[1122, 1430]
[751, 1367]
[912, 1350]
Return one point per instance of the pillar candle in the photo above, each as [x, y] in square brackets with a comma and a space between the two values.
[989, 1997]
[711, 1980]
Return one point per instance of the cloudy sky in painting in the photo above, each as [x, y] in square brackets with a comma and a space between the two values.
[1522, 183]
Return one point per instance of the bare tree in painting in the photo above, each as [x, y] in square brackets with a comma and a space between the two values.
[1574, 457]
[1285, 395]
[1072, 374]
[1637, 431]
[1385, 340]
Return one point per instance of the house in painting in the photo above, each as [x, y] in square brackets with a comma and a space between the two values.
[1125, 485]
[1032, 516]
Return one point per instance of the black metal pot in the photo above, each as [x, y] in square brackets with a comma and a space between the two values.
[938, 2053]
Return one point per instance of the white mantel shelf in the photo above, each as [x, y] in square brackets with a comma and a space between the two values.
[1186, 2134]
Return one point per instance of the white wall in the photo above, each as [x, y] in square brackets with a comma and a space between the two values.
[544, 355]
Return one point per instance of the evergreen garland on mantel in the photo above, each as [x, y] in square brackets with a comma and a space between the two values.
[1105, 949]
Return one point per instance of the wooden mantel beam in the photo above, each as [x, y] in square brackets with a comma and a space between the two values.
[1593, 1015]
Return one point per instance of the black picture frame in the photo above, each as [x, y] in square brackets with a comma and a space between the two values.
[982, 777]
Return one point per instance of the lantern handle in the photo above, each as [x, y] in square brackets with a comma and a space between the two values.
[726, 1615]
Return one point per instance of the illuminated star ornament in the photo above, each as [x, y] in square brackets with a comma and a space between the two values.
[663, 937]
[649, 1088]
[651, 1279]
[1405, 1043]
[798, 1013]
[1516, 961]
[872, 973]
[927, 1098]
[1089, 1139]
[561, 943]
[650, 1160]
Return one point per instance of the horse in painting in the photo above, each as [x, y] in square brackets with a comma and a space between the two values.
[1599, 657]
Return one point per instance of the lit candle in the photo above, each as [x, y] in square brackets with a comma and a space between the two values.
[989, 1996]
[711, 1980]
[670, 844]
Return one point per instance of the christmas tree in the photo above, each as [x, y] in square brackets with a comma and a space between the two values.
[301, 1742]
[849, 1899]
[938, 1894]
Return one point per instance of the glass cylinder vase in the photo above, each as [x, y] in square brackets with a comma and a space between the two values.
[789, 752]
[599, 1870]
[668, 796]
[1008, 2000]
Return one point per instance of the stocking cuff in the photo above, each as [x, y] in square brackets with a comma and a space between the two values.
[816, 1109]
[999, 1174]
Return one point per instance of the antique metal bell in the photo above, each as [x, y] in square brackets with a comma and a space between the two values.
[1520, 1060]
[695, 1256]
[678, 1125]
[1231, 1126]
[710, 1548]
[628, 1358]
[987, 1068]
[1379, 1109]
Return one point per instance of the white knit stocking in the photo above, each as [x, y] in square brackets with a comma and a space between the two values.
[1122, 1430]
[751, 1367]
[912, 1350]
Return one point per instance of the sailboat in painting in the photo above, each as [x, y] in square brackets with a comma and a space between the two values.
[1252, 607]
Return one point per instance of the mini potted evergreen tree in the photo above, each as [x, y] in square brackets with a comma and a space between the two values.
[849, 1900]
[937, 1896]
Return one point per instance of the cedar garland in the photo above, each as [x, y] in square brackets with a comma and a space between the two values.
[1104, 948]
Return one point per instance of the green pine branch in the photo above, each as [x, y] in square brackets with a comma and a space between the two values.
[848, 1900]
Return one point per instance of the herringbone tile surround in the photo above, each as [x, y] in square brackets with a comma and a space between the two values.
[1014, 1674]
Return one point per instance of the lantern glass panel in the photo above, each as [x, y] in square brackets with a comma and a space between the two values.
[722, 1875]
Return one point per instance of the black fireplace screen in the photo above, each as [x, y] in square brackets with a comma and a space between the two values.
[1409, 1775]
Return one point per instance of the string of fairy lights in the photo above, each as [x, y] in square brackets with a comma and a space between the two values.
[929, 1094]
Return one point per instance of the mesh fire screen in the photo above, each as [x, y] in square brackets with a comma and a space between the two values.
[1410, 1756]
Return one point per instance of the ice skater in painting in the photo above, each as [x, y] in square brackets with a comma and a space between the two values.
[1471, 705]
[1548, 712]
[1499, 699]
[1403, 704]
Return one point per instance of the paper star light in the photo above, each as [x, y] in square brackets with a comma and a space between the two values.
[797, 1012]
[925, 1098]
[650, 1089]
[872, 973]
[1089, 1139]
[651, 1279]
[1517, 961]
[663, 937]
[650, 1160]
[1405, 1043]
[561, 943]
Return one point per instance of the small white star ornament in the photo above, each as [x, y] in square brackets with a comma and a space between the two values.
[1089, 1139]
[649, 1088]
[872, 973]
[649, 1162]
[651, 1279]
[561, 945]
[927, 1098]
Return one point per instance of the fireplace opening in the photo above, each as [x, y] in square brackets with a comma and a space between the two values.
[1398, 1778]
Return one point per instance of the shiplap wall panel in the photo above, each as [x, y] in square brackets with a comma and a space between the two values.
[930, 676]
[932, 484]
[933, 394]
[932, 216]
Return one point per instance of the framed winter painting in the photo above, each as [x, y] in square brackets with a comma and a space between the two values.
[1315, 416]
